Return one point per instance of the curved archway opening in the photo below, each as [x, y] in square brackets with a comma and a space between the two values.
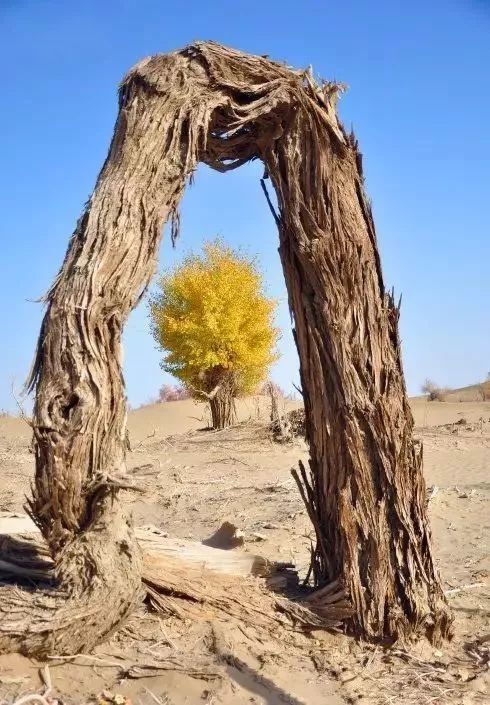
[230, 207]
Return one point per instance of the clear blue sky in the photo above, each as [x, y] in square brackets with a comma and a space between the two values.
[419, 99]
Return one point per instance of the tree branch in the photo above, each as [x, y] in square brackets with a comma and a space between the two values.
[270, 204]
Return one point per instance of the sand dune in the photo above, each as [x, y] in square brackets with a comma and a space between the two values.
[170, 418]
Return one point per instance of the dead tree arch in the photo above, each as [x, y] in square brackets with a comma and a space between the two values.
[364, 489]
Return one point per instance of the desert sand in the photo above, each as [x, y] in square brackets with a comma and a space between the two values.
[196, 479]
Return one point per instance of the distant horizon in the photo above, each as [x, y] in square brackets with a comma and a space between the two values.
[293, 396]
[417, 102]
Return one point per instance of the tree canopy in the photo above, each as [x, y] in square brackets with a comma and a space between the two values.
[212, 318]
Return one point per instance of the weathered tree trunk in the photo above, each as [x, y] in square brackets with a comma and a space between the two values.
[220, 391]
[365, 491]
[223, 409]
[98, 582]
[281, 431]
[79, 417]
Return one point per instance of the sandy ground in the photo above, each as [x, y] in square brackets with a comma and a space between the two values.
[194, 480]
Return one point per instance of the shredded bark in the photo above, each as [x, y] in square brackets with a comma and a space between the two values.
[364, 488]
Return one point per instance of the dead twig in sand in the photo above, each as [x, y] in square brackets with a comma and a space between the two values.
[213, 432]
[146, 469]
[181, 665]
[158, 700]
[238, 460]
[167, 638]
[143, 668]
[462, 588]
[32, 698]
[23, 414]
[37, 697]
[150, 435]
[88, 657]
[233, 458]
[46, 678]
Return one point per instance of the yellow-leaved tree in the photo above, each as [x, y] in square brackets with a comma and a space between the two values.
[215, 324]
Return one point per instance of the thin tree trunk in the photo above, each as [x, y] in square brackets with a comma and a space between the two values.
[220, 391]
[365, 491]
[223, 409]
[279, 426]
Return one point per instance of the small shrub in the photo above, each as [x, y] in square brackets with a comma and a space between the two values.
[297, 422]
[171, 392]
[484, 390]
[433, 391]
[266, 387]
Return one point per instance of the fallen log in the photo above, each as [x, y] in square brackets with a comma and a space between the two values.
[189, 580]
[153, 542]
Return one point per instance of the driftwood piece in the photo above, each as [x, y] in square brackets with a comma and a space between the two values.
[189, 580]
[27, 556]
[364, 487]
